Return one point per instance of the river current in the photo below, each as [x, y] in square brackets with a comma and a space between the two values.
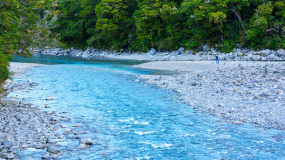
[128, 119]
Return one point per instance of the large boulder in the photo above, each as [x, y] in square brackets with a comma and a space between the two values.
[152, 51]
[181, 50]
[206, 48]
[281, 52]
[266, 52]
[272, 57]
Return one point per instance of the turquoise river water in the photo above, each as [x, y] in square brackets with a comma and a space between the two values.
[128, 119]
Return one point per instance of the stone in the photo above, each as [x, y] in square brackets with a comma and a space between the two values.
[50, 98]
[76, 125]
[237, 122]
[50, 140]
[281, 52]
[81, 146]
[188, 52]
[206, 48]
[63, 126]
[249, 56]
[53, 149]
[10, 156]
[67, 131]
[272, 57]
[256, 57]
[86, 141]
[152, 51]
[278, 137]
[181, 50]
[239, 46]
[46, 156]
[20, 86]
[265, 52]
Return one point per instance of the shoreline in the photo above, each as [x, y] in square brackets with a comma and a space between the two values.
[238, 92]
[23, 125]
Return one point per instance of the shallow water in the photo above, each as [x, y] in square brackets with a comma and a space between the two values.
[130, 120]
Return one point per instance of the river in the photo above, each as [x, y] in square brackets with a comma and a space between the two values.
[128, 119]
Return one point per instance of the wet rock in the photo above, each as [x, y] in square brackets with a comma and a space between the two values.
[86, 141]
[51, 140]
[81, 146]
[46, 156]
[20, 86]
[67, 131]
[50, 98]
[9, 155]
[63, 126]
[40, 146]
[53, 149]
[76, 125]
[278, 137]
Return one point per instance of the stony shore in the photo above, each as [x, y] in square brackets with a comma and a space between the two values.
[238, 92]
[22, 125]
[206, 54]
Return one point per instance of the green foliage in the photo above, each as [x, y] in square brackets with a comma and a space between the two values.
[18, 30]
[266, 26]
[167, 25]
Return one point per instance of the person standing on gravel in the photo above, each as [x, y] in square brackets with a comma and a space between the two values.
[217, 58]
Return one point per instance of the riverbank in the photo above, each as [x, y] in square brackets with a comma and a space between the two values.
[23, 125]
[207, 54]
[239, 92]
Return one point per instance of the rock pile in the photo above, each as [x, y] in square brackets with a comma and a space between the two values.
[22, 126]
[239, 95]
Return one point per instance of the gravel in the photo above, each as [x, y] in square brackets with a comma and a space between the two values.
[243, 93]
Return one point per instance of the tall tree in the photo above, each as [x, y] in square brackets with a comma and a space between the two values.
[18, 30]
[115, 24]
[158, 24]
[267, 27]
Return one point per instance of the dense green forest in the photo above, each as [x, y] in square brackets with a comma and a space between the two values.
[138, 25]
[169, 24]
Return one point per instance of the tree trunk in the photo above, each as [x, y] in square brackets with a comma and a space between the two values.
[222, 35]
[237, 13]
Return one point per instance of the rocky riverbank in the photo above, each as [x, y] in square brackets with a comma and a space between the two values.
[206, 54]
[24, 126]
[243, 93]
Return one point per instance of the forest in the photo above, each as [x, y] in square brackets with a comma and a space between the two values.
[138, 25]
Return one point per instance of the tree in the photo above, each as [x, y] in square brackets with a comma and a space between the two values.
[69, 24]
[267, 26]
[18, 30]
[158, 25]
[114, 25]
